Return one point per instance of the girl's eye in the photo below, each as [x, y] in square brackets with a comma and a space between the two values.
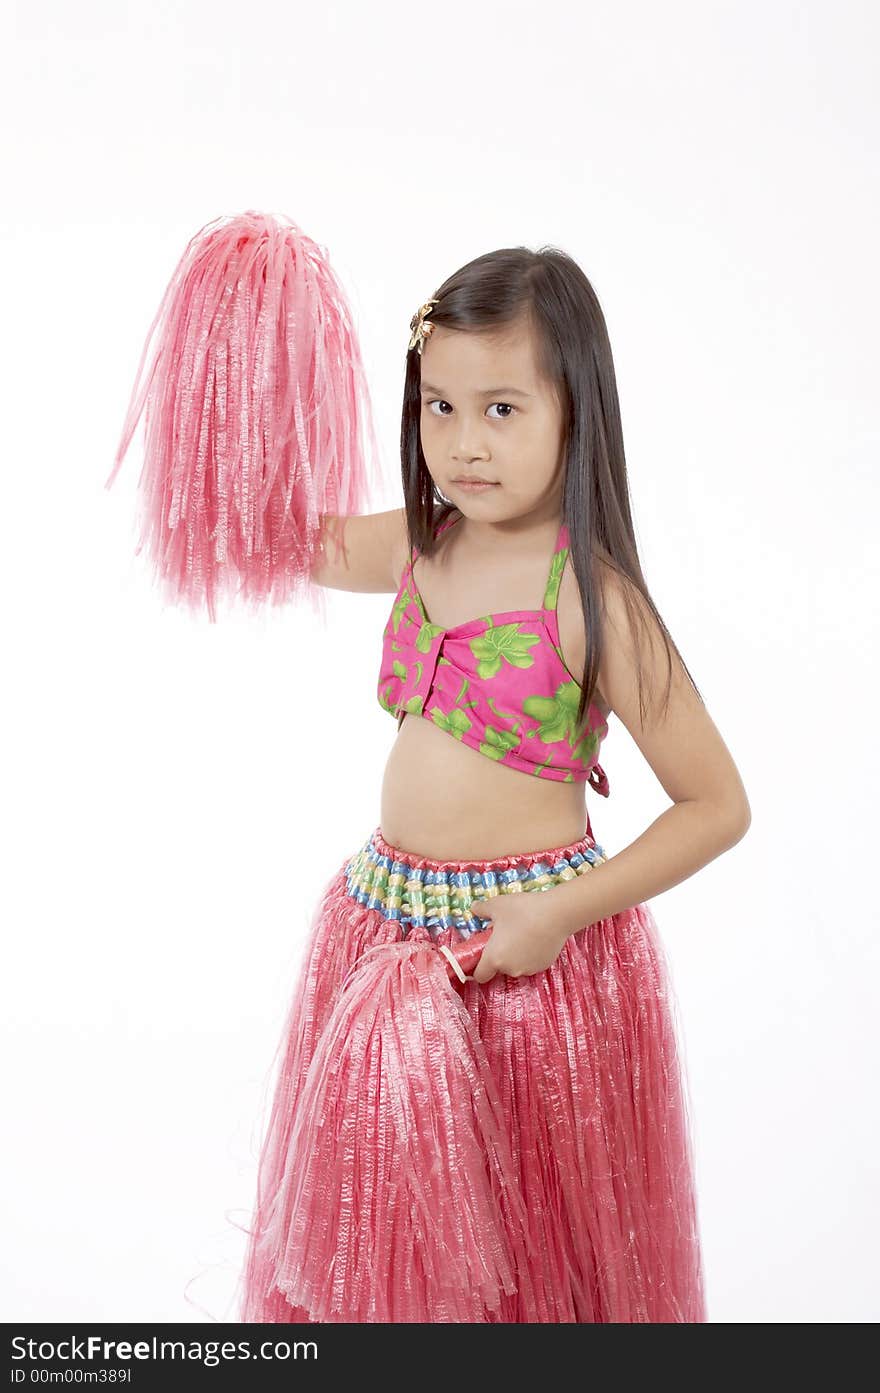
[437, 401]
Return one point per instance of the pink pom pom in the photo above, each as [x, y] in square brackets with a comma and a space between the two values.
[256, 411]
[399, 1198]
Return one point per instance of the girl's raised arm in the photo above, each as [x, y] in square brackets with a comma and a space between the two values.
[361, 552]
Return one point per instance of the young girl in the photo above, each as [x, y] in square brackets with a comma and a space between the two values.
[521, 621]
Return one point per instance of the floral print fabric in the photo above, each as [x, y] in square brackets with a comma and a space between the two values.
[497, 683]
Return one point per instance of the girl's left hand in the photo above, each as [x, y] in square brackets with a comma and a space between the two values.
[524, 937]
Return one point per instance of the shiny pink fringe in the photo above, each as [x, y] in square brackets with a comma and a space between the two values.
[256, 410]
[516, 1151]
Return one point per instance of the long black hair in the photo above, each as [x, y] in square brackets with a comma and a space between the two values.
[548, 292]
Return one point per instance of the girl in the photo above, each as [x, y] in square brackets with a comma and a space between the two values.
[521, 621]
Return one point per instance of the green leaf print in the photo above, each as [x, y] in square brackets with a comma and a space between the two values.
[557, 566]
[504, 641]
[502, 715]
[399, 670]
[385, 699]
[586, 747]
[414, 705]
[498, 743]
[456, 723]
[400, 607]
[556, 716]
[427, 633]
[568, 777]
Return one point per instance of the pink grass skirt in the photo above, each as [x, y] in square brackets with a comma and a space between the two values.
[583, 1208]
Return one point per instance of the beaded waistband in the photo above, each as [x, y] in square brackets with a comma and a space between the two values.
[416, 890]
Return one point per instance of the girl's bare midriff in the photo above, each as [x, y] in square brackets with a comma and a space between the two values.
[443, 799]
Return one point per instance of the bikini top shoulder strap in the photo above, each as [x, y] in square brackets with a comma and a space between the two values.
[557, 566]
[557, 563]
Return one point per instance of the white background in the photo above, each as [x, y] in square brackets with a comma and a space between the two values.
[174, 794]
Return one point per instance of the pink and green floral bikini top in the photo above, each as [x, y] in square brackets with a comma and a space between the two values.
[497, 683]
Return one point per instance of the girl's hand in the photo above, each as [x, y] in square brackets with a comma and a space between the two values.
[524, 938]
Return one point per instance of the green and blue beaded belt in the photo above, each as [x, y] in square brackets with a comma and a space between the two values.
[416, 890]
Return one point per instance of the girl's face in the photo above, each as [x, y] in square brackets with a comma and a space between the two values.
[486, 413]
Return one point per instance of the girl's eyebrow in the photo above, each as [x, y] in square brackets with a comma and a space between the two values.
[486, 391]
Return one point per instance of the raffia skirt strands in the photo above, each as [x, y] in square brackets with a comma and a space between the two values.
[511, 1151]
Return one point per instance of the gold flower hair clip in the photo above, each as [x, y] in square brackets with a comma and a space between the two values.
[420, 329]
